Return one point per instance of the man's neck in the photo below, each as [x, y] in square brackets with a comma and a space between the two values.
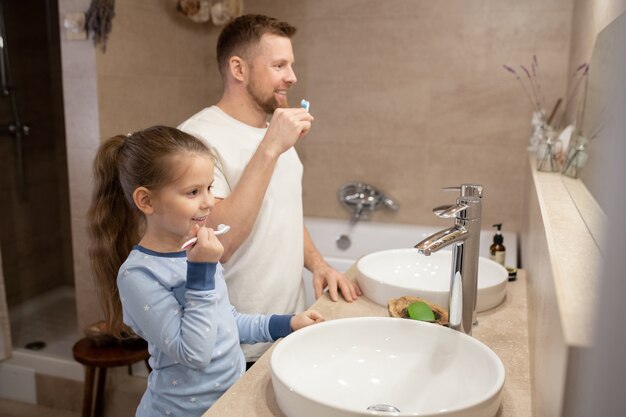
[243, 110]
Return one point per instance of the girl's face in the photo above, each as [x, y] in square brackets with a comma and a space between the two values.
[182, 203]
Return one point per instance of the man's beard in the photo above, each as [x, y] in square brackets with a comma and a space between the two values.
[268, 105]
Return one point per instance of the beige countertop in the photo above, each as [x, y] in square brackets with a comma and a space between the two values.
[504, 329]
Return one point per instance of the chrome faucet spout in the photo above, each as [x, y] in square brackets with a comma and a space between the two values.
[356, 215]
[441, 239]
[464, 237]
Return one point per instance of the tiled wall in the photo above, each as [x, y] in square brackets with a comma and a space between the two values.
[411, 96]
[34, 218]
[158, 67]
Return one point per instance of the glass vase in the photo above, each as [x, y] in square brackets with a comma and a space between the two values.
[548, 152]
[576, 158]
[539, 127]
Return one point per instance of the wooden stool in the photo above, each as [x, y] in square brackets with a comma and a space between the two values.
[97, 358]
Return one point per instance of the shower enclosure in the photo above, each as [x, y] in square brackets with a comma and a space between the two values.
[35, 240]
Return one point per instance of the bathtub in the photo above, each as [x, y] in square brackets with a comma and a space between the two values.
[366, 237]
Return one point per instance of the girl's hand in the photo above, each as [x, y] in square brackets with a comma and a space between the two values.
[304, 319]
[208, 248]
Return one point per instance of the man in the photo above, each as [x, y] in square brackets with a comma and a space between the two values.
[258, 175]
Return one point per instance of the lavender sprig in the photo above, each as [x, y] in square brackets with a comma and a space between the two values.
[535, 68]
[581, 73]
[532, 85]
[512, 71]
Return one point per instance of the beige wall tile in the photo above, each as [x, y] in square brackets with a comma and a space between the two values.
[158, 68]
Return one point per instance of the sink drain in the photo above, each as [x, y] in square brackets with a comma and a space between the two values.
[343, 242]
[38, 345]
[383, 409]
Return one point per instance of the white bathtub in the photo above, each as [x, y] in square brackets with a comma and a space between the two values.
[367, 237]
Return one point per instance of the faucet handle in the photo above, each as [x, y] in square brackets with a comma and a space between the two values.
[448, 211]
[391, 203]
[467, 190]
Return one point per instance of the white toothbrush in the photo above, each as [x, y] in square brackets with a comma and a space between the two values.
[305, 104]
[221, 229]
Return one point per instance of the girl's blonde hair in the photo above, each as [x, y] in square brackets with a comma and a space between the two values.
[124, 163]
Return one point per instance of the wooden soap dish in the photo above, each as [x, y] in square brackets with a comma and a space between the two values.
[398, 308]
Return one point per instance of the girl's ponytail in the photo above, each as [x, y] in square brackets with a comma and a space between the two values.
[113, 229]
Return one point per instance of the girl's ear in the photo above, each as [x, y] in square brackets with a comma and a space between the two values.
[238, 68]
[143, 200]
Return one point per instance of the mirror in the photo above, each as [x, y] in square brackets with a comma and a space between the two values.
[605, 83]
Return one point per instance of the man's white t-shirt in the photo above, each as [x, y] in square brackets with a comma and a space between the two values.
[265, 274]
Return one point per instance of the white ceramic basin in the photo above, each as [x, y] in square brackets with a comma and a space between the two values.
[342, 367]
[398, 272]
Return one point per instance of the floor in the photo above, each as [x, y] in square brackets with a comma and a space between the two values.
[10, 408]
[51, 319]
[45, 328]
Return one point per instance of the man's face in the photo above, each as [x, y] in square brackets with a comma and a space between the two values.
[271, 72]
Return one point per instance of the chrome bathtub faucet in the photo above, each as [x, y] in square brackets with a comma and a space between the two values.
[361, 199]
[465, 238]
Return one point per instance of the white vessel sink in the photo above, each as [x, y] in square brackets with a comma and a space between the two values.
[398, 272]
[343, 367]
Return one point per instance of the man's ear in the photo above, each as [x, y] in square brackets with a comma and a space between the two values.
[143, 200]
[238, 68]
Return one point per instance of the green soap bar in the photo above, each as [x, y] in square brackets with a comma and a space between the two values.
[420, 311]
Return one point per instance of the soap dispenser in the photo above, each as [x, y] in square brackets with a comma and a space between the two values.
[497, 250]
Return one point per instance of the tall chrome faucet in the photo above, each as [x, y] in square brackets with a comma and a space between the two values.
[465, 238]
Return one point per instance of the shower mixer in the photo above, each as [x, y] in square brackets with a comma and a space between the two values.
[362, 199]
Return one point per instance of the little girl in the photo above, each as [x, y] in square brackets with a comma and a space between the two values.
[153, 192]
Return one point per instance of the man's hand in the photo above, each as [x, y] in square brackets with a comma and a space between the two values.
[327, 277]
[286, 127]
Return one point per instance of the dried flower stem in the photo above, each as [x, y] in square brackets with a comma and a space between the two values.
[580, 74]
[535, 68]
[532, 102]
[581, 113]
[532, 85]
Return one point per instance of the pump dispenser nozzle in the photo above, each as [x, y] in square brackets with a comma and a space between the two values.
[497, 249]
[498, 239]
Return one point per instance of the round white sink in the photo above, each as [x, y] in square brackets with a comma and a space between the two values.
[345, 367]
[398, 272]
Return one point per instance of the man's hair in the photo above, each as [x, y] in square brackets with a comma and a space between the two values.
[245, 32]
